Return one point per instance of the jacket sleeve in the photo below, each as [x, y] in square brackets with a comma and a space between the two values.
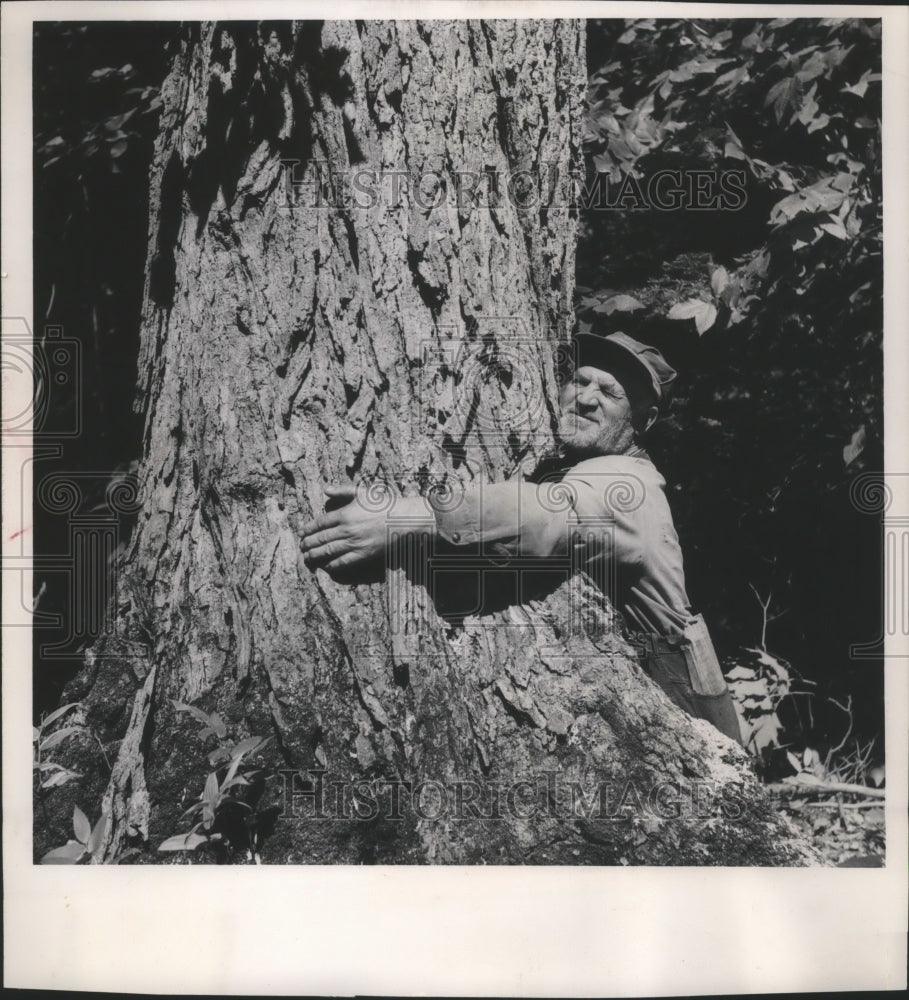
[611, 506]
[540, 520]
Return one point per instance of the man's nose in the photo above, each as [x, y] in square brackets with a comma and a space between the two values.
[586, 398]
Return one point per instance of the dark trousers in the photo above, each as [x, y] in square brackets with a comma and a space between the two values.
[664, 661]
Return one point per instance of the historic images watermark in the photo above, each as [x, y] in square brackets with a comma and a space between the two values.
[52, 365]
[315, 795]
[874, 493]
[34, 430]
[317, 184]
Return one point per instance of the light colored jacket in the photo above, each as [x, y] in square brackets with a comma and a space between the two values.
[610, 513]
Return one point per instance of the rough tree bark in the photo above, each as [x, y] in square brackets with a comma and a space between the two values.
[284, 346]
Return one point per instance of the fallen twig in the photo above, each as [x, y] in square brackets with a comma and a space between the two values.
[845, 805]
[826, 788]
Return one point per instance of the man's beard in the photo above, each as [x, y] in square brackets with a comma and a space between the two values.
[564, 452]
[606, 441]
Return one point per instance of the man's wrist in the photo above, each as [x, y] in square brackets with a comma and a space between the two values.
[416, 514]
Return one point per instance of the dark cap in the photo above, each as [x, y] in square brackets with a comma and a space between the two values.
[608, 351]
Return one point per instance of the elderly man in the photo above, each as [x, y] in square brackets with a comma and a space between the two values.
[617, 392]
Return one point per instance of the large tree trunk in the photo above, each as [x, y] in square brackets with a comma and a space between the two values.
[285, 345]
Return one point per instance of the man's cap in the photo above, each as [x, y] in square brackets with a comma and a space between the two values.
[603, 351]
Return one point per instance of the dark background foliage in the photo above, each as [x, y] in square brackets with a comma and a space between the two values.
[95, 90]
[779, 399]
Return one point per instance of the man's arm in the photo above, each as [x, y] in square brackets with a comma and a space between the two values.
[524, 519]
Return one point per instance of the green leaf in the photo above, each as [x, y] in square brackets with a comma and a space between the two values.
[821, 121]
[812, 68]
[116, 123]
[81, 826]
[855, 447]
[217, 726]
[232, 770]
[232, 782]
[753, 42]
[210, 800]
[719, 280]
[835, 228]
[861, 85]
[703, 313]
[618, 303]
[196, 713]
[213, 723]
[58, 737]
[98, 834]
[706, 318]
[248, 745]
[183, 842]
[218, 756]
[210, 792]
[69, 854]
[747, 689]
[684, 310]
[192, 810]
[60, 778]
[56, 714]
[731, 80]
[826, 195]
[784, 96]
[766, 734]
[740, 674]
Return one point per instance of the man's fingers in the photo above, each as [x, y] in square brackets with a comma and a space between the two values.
[341, 491]
[318, 538]
[333, 557]
[339, 495]
[321, 554]
[323, 522]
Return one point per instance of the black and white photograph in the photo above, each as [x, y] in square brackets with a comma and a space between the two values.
[451, 441]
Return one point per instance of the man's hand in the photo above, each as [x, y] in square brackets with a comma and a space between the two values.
[349, 535]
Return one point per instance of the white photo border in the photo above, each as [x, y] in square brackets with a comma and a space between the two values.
[437, 930]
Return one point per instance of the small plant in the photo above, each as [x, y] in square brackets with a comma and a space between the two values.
[42, 743]
[86, 845]
[219, 795]
[809, 768]
[758, 683]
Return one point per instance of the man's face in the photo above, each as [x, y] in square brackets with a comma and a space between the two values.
[596, 414]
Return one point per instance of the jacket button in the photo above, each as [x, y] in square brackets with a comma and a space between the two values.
[456, 536]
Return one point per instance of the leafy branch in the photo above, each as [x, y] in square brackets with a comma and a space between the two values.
[219, 795]
[57, 775]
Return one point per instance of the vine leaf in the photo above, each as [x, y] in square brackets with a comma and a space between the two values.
[703, 313]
